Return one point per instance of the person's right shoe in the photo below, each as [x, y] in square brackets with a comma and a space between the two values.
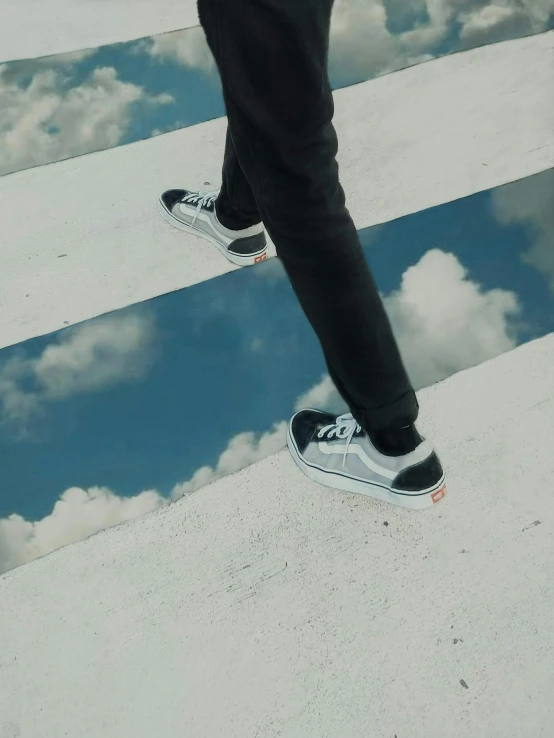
[338, 453]
[194, 211]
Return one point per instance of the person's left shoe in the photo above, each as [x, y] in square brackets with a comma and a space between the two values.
[338, 453]
[194, 211]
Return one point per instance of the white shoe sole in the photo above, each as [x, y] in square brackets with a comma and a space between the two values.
[233, 258]
[411, 500]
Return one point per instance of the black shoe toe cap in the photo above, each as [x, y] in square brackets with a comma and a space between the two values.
[171, 197]
[305, 424]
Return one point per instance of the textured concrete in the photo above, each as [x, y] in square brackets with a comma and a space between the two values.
[265, 605]
[408, 141]
[32, 28]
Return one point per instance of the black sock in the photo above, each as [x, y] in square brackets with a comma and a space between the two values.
[396, 441]
[235, 221]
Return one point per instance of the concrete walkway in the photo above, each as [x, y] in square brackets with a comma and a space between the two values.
[33, 28]
[265, 605]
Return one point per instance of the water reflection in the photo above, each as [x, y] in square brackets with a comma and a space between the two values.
[62, 106]
[170, 394]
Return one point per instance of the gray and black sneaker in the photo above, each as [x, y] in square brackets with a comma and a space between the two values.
[338, 453]
[194, 211]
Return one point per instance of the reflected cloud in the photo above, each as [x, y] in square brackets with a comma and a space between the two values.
[244, 449]
[444, 322]
[486, 23]
[77, 103]
[87, 358]
[374, 37]
[77, 515]
[188, 48]
[49, 119]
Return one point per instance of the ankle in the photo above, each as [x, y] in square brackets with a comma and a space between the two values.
[233, 222]
[396, 441]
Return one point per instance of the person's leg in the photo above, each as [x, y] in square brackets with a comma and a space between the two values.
[236, 205]
[272, 58]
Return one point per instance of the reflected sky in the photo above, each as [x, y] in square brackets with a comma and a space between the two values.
[62, 106]
[170, 394]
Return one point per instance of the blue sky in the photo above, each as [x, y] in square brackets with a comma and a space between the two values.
[71, 104]
[234, 354]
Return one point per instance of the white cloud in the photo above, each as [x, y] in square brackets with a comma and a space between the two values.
[482, 20]
[49, 120]
[86, 358]
[16, 404]
[322, 396]
[362, 44]
[164, 98]
[189, 47]
[531, 202]
[242, 450]
[78, 514]
[493, 23]
[538, 11]
[443, 321]
[95, 356]
[169, 129]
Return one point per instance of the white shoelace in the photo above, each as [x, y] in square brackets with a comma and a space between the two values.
[344, 427]
[202, 197]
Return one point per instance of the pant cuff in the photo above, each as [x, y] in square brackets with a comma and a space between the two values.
[398, 414]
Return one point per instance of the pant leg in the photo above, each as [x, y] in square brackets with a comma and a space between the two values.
[236, 205]
[272, 57]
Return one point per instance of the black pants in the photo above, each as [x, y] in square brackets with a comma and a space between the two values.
[280, 167]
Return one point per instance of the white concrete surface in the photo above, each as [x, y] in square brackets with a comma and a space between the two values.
[33, 28]
[265, 605]
[408, 141]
